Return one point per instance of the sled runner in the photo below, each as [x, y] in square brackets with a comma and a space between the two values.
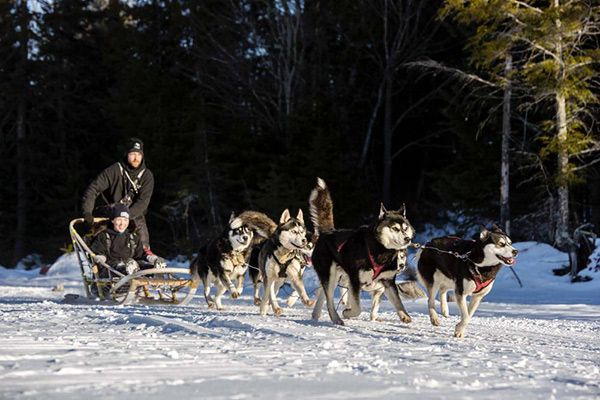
[155, 285]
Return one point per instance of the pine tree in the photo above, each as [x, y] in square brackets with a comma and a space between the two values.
[553, 51]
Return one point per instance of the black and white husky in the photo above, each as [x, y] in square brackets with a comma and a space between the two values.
[365, 256]
[224, 260]
[304, 258]
[471, 274]
[278, 261]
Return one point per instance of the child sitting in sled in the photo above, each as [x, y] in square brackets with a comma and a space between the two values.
[121, 249]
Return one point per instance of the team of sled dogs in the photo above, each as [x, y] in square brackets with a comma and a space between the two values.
[367, 258]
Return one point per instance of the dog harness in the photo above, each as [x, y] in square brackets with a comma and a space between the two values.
[283, 266]
[376, 267]
[480, 285]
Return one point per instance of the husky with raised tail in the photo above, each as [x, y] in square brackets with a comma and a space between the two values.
[278, 261]
[468, 267]
[365, 257]
[224, 260]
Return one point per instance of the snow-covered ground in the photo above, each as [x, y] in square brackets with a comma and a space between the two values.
[541, 341]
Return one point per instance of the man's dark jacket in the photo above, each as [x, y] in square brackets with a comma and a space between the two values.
[117, 186]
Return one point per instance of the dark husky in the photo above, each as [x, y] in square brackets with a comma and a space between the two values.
[224, 259]
[471, 274]
[278, 260]
[365, 255]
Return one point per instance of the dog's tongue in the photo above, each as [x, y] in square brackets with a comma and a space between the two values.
[308, 260]
[510, 261]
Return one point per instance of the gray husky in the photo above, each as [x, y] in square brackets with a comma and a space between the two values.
[279, 261]
[364, 256]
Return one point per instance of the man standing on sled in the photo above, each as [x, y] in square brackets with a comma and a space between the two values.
[127, 182]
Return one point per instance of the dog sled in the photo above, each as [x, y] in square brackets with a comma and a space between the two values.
[147, 286]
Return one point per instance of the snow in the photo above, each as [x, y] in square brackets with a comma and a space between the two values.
[541, 341]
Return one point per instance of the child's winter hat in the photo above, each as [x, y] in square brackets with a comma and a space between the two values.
[119, 210]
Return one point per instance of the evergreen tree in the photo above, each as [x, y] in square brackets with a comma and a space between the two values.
[554, 52]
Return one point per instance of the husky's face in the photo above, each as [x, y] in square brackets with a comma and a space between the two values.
[240, 235]
[497, 247]
[393, 229]
[292, 232]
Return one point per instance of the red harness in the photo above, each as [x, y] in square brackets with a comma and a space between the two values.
[376, 267]
[481, 285]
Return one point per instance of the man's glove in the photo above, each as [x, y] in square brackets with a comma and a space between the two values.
[99, 259]
[131, 267]
[160, 263]
[88, 217]
[157, 261]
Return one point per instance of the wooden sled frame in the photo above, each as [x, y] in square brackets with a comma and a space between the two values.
[149, 286]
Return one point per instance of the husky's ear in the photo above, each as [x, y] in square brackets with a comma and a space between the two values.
[300, 216]
[285, 216]
[382, 211]
[232, 217]
[402, 210]
[483, 233]
[496, 229]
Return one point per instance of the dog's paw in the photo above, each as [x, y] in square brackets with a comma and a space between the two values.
[278, 311]
[459, 331]
[405, 318]
[376, 319]
[445, 313]
[235, 294]
[257, 302]
[435, 320]
[309, 303]
[211, 305]
[221, 308]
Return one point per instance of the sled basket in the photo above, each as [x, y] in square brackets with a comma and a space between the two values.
[155, 285]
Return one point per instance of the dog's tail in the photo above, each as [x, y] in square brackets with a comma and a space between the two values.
[262, 225]
[321, 208]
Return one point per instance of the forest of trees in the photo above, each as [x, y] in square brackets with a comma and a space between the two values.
[467, 111]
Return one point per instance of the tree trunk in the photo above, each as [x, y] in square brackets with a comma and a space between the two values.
[562, 237]
[387, 141]
[504, 184]
[20, 247]
[367, 143]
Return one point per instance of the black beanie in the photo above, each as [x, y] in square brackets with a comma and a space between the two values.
[135, 145]
[119, 210]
